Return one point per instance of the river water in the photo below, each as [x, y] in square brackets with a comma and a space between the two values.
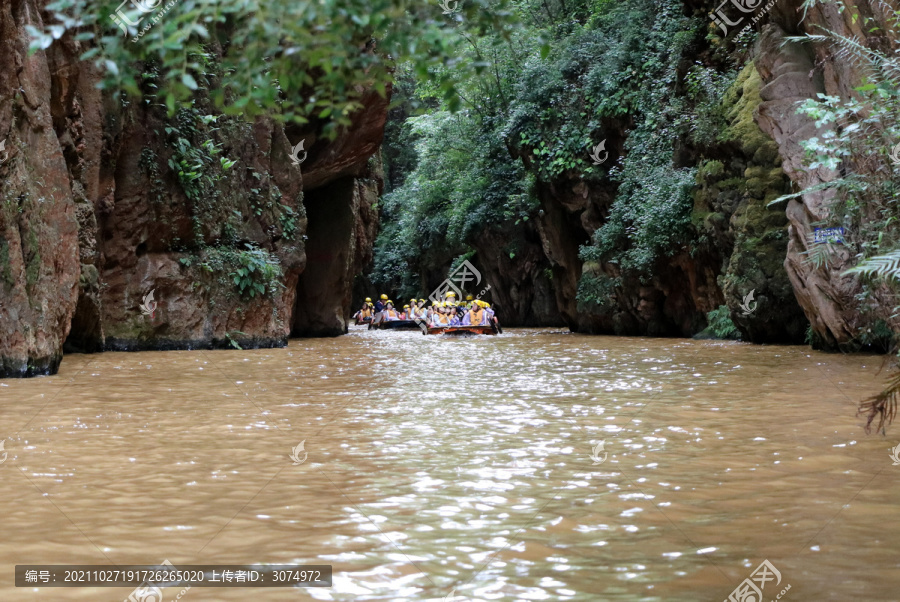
[439, 464]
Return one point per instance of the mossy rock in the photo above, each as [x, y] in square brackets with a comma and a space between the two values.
[710, 170]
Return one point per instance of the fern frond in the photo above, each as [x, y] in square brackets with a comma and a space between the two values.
[883, 405]
[857, 48]
[818, 254]
[850, 182]
[884, 266]
[880, 66]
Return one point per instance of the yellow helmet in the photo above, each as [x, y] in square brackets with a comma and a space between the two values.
[384, 297]
[413, 300]
[421, 300]
[469, 297]
[389, 301]
[451, 294]
[406, 306]
[368, 299]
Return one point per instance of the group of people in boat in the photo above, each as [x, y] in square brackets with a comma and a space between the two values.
[449, 312]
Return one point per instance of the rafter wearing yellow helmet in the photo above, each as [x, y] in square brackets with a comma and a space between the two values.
[476, 315]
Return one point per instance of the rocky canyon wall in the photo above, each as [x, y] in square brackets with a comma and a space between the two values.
[741, 244]
[105, 200]
[793, 72]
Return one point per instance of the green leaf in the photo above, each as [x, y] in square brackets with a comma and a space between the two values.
[188, 80]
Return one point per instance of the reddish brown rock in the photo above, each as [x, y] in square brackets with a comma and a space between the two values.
[94, 216]
[793, 73]
[342, 229]
[39, 265]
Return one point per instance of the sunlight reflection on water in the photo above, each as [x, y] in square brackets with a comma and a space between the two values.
[438, 463]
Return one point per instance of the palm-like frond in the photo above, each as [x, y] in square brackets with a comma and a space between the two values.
[818, 254]
[879, 66]
[883, 405]
[885, 266]
[851, 182]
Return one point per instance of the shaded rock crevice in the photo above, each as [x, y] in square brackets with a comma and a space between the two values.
[342, 227]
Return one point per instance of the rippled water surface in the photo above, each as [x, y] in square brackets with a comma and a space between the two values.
[437, 464]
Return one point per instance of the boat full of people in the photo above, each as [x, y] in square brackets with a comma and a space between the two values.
[446, 316]
[366, 314]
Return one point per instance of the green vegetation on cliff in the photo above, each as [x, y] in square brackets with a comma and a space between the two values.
[857, 143]
[295, 61]
[575, 74]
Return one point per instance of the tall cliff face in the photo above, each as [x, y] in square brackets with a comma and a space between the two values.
[741, 252]
[738, 243]
[39, 252]
[792, 73]
[106, 201]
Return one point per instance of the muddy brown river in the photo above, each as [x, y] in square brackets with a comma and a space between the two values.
[461, 469]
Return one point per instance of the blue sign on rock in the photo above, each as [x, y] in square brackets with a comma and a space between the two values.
[829, 235]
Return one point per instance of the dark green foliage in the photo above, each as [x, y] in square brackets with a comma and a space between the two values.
[294, 61]
[595, 292]
[253, 271]
[198, 167]
[620, 64]
[652, 211]
[464, 182]
[398, 150]
[257, 271]
[578, 73]
[719, 324]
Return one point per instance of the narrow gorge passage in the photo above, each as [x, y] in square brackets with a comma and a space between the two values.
[450, 300]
